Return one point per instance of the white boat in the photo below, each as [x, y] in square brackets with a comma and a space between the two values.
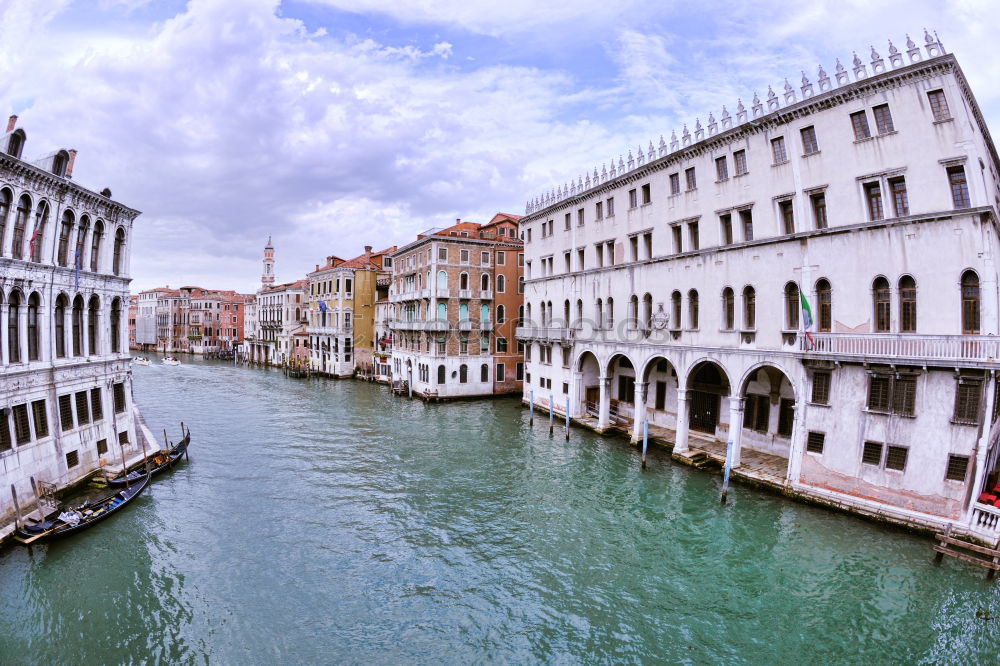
[170, 360]
[141, 360]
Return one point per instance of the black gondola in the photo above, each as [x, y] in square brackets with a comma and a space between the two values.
[79, 519]
[161, 462]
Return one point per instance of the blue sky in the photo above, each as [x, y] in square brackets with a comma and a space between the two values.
[334, 124]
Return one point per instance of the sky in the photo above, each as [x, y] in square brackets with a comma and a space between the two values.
[329, 125]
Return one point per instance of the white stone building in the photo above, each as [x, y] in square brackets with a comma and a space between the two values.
[65, 378]
[668, 288]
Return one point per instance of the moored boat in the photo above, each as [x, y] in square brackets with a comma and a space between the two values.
[76, 520]
[161, 461]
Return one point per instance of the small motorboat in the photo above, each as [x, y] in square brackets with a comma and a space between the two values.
[141, 360]
[161, 461]
[78, 519]
[171, 360]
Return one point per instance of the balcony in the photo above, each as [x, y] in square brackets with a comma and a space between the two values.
[986, 521]
[414, 325]
[545, 333]
[957, 349]
[465, 293]
[486, 326]
[438, 326]
[486, 294]
[465, 325]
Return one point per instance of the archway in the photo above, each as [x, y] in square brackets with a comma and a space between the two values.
[707, 384]
[768, 416]
[621, 372]
[589, 370]
[660, 377]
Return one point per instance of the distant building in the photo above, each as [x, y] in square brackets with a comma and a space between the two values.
[280, 311]
[457, 294]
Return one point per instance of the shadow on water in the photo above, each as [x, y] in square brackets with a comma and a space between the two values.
[324, 521]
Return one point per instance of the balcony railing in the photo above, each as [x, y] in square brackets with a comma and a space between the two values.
[986, 521]
[412, 325]
[550, 333]
[485, 294]
[887, 345]
[465, 293]
[438, 326]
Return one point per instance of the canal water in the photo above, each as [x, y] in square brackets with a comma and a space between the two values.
[327, 521]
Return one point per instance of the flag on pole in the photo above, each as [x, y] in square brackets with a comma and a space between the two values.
[807, 319]
[322, 306]
[31, 244]
[76, 271]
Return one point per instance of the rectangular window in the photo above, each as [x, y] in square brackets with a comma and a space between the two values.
[967, 395]
[501, 258]
[895, 458]
[815, 441]
[501, 345]
[464, 258]
[740, 160]
[958, 466]
[939, 105]
[883, 119]
[119, 394]
[633, 248]
[873, 196]
[746, 223]
[102, 447]
[786, 417]
[633, 200]
[726, 228]
[872, 453]
[599, 210]
[610, 205]
[959, 187]
[819, 209]
[900, 203]
[567, 222]
[6, 443]
[500, 372]
[904, 395]
[123, 438]
[821, 388]
[721, 168]
[41, 419]
[693, 234]
[675, 183]
[82, 408]
[757, 412]
[96, 405]
[579, 218]
[809, 144]
[646, 195]
[692, 183]
[442, 254]
[859, 121]
[519, 372]
[72, 459]
[484, 258]
[778, 150]
[66, 412]
[787, 214]
[879, 387]
[22, 429]
[678, 238]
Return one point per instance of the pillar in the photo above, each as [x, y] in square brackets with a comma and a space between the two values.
[604, 406]
[577, 408]
[982, 449]
[736, 428]
[4, 347]
[681, 437]
[641, 389]
[797, 448]
[22, 328]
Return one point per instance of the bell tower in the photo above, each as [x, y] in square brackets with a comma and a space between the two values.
[267, 277]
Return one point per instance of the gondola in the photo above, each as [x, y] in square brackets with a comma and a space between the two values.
[84, 516]
[161, 461]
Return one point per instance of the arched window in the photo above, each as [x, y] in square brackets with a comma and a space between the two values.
[749, 308]
[463, 312]
[520, 284]
[484, 373]
[118, 258]
[81, 238]
[65, 230]
[501, 284]
[792, 306]
[442, 280]
[579, 313]
[675, 307]
[824, 298]
[599, 314]
[484, 312]
[693, 308]
[15, 143]
[728, 309]
[883, 306]
[970, 303]
[78, 326]
[14, 327]
[484, 281]
[60, 326]
[95, 245]
[442, 312]
[5, 199]
[20, 223]
[566, 313]
[463, 374]
[907, 305]
[633, 312]
[441, 374]
[37, 241]
[93, 311]
[463, 281]
[116, 319]
[610, 313]
[501, 317]
[34, 341]
[548, 313]
[647, 312]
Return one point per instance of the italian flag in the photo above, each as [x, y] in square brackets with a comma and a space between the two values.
[807, 318]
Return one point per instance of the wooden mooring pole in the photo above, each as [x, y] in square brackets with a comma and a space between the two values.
[17, 508]
[38, 499]
[552, 403]
[531, 408]
[645, 440]
[567, 418]
[726, 470]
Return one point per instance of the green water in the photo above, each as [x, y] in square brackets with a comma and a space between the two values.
[329, 522]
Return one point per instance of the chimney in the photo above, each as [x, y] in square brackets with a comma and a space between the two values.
[458, 220]
[368, 249]
[69, 163]
[11, 122]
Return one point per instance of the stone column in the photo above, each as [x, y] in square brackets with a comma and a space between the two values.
[641, 389]
[577, 408]
[4, 346]
[681, 438]
[736, 428]
[604, 406]
[982, 450]
[797, 449]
